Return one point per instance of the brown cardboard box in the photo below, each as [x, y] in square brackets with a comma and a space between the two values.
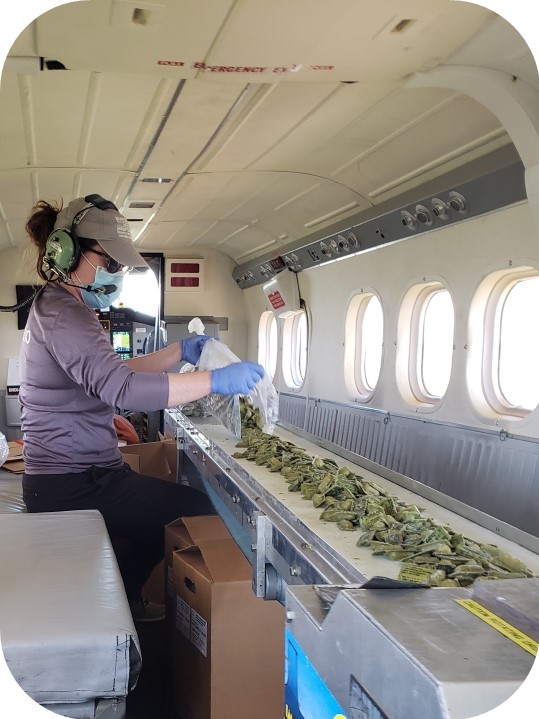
[14, 462]
[228, 644]
[177, 537]
[156, 459]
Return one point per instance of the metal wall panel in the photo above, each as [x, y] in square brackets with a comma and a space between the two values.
[292, 409]
[320, 420]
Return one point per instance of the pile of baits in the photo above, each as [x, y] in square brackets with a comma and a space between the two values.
[431, 553]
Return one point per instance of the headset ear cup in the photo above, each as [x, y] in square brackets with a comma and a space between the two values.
[62, 254]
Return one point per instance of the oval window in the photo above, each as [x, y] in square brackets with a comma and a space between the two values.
[425, 344]
[267, 343]
[295, 345]
[518, 361]
[363, 345]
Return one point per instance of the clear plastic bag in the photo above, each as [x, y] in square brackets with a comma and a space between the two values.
[4, 449]
[263, 396]
[196, 408]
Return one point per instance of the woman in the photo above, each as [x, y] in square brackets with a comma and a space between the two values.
[72, 380]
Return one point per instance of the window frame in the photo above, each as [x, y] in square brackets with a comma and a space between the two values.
[409, 361]
[354, 351]
[265, 324]
[291, 353]
[488, 303]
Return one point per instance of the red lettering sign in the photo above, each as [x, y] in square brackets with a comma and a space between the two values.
[226, 68]
[276, 300]
[172, 63]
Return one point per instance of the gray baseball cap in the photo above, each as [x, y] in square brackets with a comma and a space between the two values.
[107, 227]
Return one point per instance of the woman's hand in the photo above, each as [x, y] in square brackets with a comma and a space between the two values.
[236, 378]
[191, 348]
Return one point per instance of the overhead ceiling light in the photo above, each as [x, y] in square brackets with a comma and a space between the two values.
[156, 179]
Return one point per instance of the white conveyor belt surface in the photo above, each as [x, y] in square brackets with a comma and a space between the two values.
[344, 542]
[65, 626]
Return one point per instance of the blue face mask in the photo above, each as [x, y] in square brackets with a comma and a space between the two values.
[103, 281]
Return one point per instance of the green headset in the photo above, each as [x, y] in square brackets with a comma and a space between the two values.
[62, 248]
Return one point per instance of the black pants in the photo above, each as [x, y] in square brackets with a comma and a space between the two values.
[135, 507]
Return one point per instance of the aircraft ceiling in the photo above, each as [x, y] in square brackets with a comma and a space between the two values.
[240, 125]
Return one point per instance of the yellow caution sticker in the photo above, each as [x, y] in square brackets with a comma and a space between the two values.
[414, 573]
[496, 622]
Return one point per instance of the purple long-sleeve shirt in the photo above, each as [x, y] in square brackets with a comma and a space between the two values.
[71, 382]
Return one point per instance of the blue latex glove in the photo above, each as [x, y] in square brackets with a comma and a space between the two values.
[236, 378]
[192, 347]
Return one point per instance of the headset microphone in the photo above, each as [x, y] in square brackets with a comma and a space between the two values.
[104, 289]
[101, 290]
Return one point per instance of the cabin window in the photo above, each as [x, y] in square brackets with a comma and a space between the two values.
[435, 346]
[363, 345]
[295, 341]
[518, 362]
[267, 343]
[504, 343]
[140, 292]
[425, 344]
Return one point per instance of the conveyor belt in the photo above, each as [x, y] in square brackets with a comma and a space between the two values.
[436, 648]
[343, 542]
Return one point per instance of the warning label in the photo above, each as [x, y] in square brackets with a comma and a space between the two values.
[276, 300]
[183, 617]
[199, 632]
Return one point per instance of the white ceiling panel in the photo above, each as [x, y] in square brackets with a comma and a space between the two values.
[109, 35]
[279, 112]
[16, 197]
[14, 151]
[419, 145]
[353, 36]
[5, 238]
[197, 114]
[251, 117]
[329, 125]
[242, 241]
[499, 46]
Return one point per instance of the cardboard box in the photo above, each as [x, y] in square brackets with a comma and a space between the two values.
[177, 537]
[228, 658]
[14, 462]
[155, 459]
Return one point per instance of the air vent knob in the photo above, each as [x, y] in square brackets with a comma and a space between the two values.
[423, 215]
[324, 249]
[408, 220]
[439, 209]
[343, 243]
[457, 202]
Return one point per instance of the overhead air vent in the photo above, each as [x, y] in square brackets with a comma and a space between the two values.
[139, 213]
[141, 205]
[156, 179]
[140, 16]
[403, 25]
